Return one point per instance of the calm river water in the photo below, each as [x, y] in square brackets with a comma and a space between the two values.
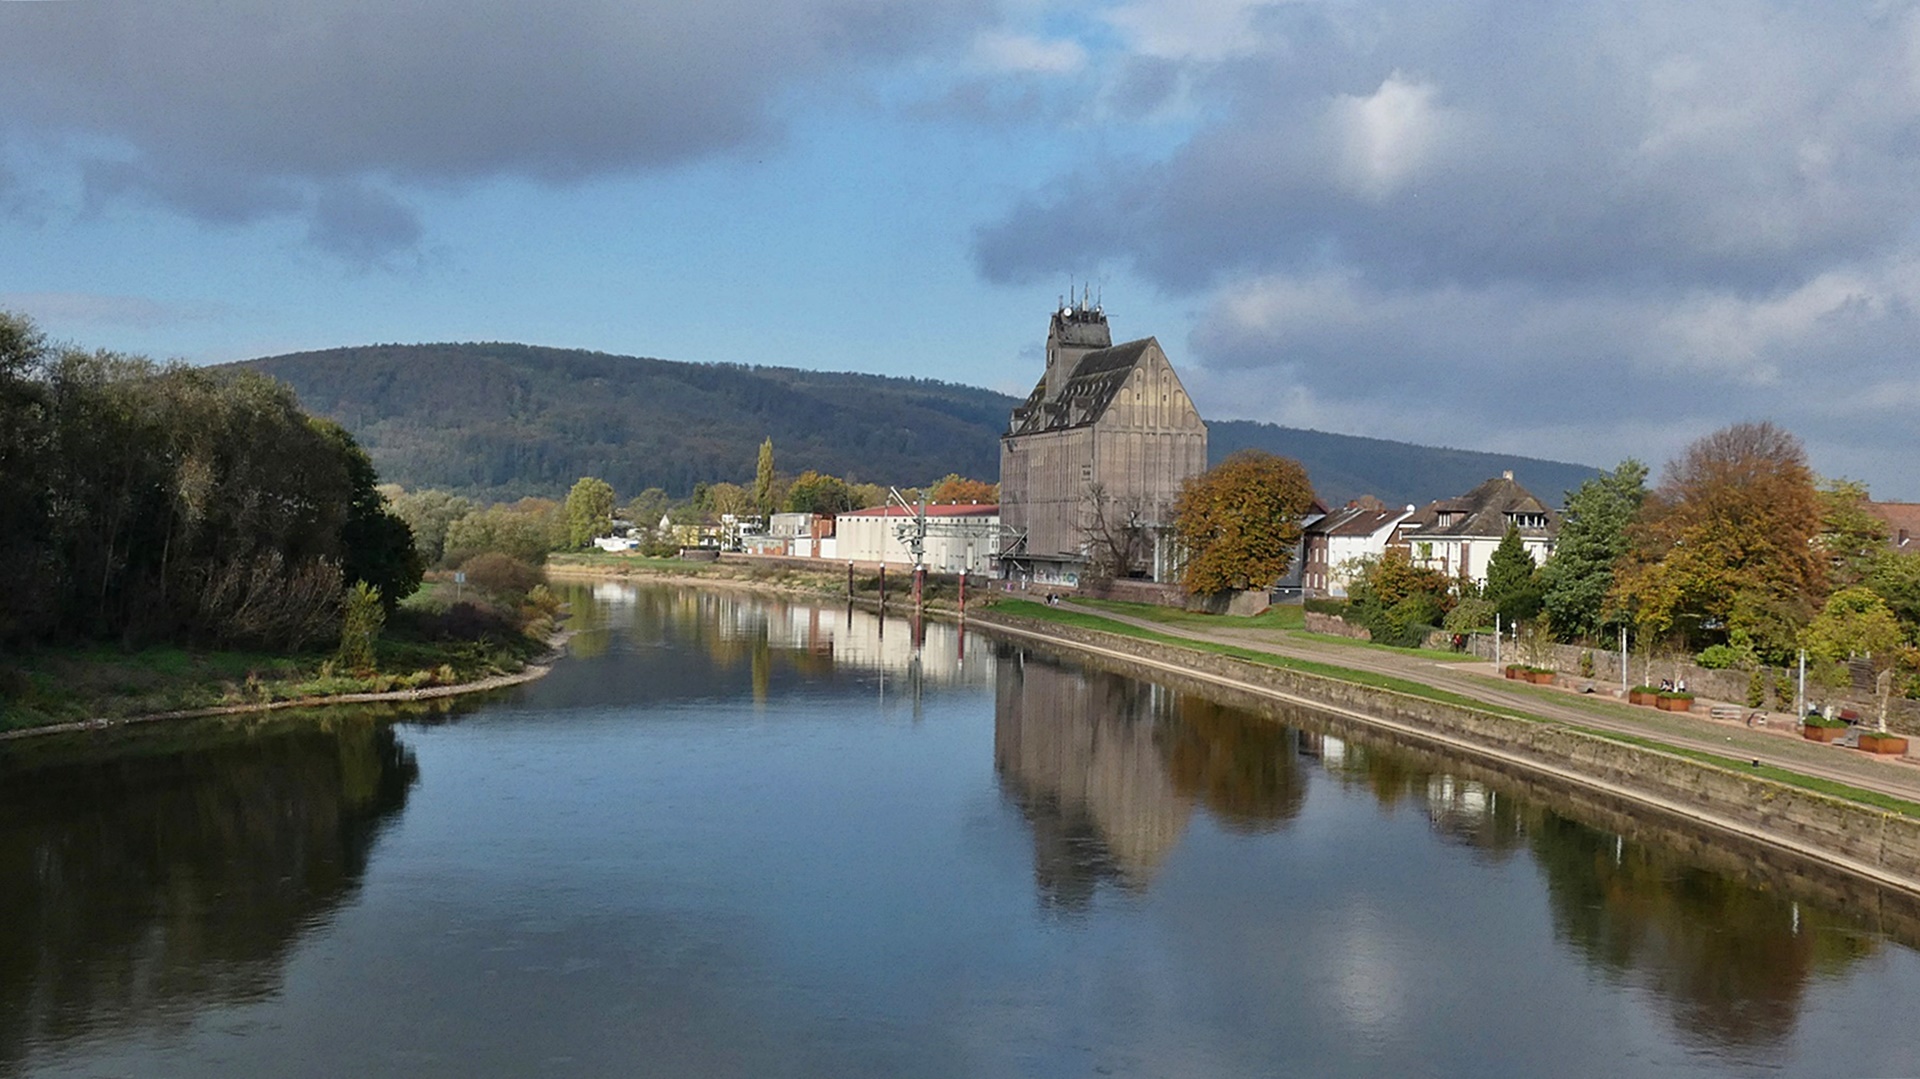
[735, 837]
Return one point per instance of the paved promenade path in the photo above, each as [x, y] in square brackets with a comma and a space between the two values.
[1778, 744]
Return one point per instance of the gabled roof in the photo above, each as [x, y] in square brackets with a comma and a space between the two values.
[1361, 518]
[1902, 518]
[1095, 380]
[1484, 512]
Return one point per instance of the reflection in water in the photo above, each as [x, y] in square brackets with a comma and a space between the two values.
[1732, 961]
[160, 873]
[1107, 770]
[1078, 751]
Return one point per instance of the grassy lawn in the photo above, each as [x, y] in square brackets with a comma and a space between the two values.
[1040, 611]
[1290, 618]
[1285, 617]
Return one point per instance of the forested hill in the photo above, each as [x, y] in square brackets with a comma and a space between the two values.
[502, 420]
[1397, 473]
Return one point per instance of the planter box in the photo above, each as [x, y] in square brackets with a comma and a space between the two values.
[1889, 744]
[1516, 672]
[1822, 734]
[1541, 678]
[1641, 697]
[1673, 704]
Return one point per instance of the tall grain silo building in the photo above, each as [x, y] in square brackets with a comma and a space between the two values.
[1103, 443]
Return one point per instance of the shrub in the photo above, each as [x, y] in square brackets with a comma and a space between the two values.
[1756, 688]
[502, 576]
[1782, 687]
[1586, 663]
[1720, 657]
[1470, 615]
[1324, 606]
[362, 618]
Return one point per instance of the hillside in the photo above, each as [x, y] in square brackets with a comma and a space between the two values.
[502, 420]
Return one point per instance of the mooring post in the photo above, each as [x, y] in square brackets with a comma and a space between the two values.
[919, 585]
[963, 590]
[849, 578]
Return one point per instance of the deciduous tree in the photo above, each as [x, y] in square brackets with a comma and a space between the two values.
[589, 510]
[1854, 623]
[957, 488]
[1725, 546]
[763, 479]
[1239, 521]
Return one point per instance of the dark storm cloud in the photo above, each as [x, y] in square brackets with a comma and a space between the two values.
[211, 106]
[1578, 229]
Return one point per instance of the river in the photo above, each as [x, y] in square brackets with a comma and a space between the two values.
[733, 836]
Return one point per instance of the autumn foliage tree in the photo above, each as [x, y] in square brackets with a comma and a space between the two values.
[1724, 548]
[1239, 521]
[958, 488]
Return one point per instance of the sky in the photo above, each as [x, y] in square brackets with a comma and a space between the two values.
[1581, 231]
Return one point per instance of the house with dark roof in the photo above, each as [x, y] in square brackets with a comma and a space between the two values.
[1458, 535]
[1335, 542]
[1103, 443]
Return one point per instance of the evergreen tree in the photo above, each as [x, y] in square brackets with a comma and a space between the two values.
[1593, 536]
[1513, 584]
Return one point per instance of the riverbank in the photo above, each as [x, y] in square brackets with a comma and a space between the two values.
[1870, 834]
[66, 689]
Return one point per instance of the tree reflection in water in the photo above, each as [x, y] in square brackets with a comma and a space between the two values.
[1107, 771]
[1730, 960]
[165, 870]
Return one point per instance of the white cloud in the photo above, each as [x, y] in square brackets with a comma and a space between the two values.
[1388, 136]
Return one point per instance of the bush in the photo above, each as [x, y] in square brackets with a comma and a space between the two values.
[1324, 606]
[363, 616]
[1720, 657]
[1470, 615]
[1756, 688]
[501, 576]
[1586, 663]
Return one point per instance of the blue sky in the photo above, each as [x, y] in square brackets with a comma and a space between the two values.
[1576, 230]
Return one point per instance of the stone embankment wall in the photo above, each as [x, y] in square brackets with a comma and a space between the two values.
[1336, 625]
[1879, 845]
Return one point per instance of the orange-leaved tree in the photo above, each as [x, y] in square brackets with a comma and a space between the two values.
[1239, 521]
[958, 488]
[1725, 547]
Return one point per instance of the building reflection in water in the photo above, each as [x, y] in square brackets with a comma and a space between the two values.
[754, 640]
[1108, 770]
[148, 877]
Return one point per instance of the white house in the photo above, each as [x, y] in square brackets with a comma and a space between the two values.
[1458, 536]
[1360, 529]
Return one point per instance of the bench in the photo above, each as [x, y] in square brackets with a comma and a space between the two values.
[1728, 711]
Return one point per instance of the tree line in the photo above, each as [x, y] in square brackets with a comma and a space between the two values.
[1740, 556]
[142, 502]
[451, 530]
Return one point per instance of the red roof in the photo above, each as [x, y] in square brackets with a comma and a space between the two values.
[968, 509]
